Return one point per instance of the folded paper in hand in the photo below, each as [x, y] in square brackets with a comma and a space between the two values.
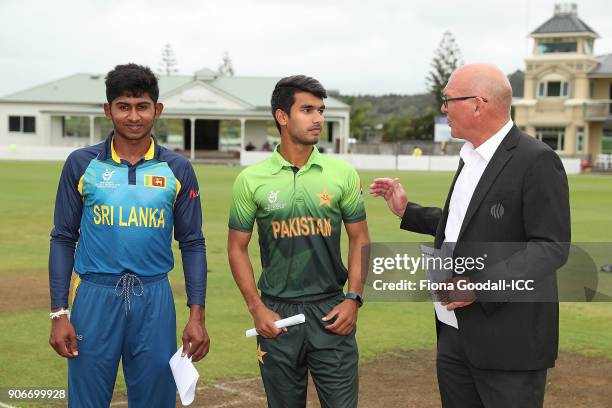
[442, 313]
[290, 321]
[185, 376]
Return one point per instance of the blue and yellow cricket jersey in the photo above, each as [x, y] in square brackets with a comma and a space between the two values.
[120, 218]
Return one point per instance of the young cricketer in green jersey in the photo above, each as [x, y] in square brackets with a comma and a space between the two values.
[299, 199]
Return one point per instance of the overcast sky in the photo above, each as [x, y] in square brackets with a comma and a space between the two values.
[368, 46]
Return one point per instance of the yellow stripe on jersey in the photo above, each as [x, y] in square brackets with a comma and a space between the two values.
[151, 152]
[75, 287]
[80, 186]
[178, 187]
[114, 154]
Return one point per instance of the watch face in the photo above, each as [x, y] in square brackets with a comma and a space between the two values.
[355, 297]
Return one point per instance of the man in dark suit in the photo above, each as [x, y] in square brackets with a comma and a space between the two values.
[509, 188]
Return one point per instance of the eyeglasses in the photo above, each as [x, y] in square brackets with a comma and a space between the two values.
[446, 100]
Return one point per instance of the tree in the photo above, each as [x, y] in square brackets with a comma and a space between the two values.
[226, 68]
[168, 63]
[360, 121]
[404, 128]
[421, 127]
[447, 58]
[517, 82]
[395, 128]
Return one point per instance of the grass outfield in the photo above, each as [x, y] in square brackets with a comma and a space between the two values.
[26, 218]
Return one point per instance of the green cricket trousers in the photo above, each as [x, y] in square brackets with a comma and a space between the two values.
[332, 360]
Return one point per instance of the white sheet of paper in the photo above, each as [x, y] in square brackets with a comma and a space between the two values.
[289, 321]
[444, 315]
[185, 376]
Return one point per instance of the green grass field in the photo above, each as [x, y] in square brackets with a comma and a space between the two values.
[26, 219]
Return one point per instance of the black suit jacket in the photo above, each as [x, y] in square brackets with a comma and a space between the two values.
[528, 179]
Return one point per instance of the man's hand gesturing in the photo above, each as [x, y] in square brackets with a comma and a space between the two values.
[393, 193]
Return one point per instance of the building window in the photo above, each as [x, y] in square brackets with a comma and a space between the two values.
[29, 124]
[104, 126]
[549, 47]
[76, 126]
[14, 123]
[553, 89]
[579, 139]
[606, 141]
[552, 136]
[588, 46]
[25, 124]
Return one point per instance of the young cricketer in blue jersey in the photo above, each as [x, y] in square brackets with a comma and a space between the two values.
[117, 205]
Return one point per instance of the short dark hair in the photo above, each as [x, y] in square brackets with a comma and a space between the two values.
[131, 80]
[283, 96]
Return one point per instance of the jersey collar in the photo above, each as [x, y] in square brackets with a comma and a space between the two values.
[279, 162]
[110, 152]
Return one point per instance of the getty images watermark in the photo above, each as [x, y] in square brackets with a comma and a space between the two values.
[504, 272]
[459, 265]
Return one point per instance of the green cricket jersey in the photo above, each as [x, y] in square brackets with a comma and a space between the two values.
[299, 218]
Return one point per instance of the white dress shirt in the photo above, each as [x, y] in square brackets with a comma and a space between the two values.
[475, 163]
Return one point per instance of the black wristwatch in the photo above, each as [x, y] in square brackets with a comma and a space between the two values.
[355, 297]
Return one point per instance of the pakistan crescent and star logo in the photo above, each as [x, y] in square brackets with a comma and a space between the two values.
[325, 198]
[260, 354]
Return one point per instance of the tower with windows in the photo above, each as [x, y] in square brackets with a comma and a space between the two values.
[567, 89]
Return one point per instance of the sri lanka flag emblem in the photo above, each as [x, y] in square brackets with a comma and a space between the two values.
[154, 181]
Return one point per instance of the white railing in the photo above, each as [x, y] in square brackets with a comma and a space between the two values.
[401, 162]
[36, 153]
[603, 162]
[359, 161]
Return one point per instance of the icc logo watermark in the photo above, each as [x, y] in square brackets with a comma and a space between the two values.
[273, 196]
[497, 211]
[107, 175]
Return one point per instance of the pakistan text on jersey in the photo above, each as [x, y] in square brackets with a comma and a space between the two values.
[132, 217]
[302, 226]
